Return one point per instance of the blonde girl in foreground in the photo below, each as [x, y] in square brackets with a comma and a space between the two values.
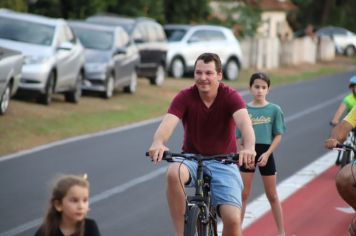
[68, 208]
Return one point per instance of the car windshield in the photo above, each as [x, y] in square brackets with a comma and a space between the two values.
[25, 31]
[95, 39]
[175, 35]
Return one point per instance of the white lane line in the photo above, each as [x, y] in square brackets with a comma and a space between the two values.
[134, 182]
[95, 199]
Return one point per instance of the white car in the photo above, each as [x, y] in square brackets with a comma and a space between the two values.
[345, 40]
[187, 42]
[54, 58]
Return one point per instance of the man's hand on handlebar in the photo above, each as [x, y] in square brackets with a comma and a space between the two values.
[247, 158]
[331, 143]
[156, 152]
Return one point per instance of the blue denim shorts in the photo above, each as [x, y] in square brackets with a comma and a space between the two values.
[226, 184]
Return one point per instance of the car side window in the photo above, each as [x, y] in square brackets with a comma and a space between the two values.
[61, 36]
[215, 35]
[122, 39]
[137, 35]
[198, 36]
[160, 35]
[69, 35]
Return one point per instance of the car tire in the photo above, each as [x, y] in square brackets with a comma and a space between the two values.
[158, 79]
[131, 88]
[231, 69]
[5, 99]
[109, 86]
[350, 51]
[177, 68]
[74, 95]
[46, 98]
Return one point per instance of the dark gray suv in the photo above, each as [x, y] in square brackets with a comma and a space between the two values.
[149, 37]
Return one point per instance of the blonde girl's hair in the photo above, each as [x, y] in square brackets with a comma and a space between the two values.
[52, 218]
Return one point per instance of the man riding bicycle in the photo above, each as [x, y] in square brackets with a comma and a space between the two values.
[345, 180]
[210, 112]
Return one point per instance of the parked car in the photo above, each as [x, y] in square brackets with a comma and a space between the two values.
[150, 39]
[54, 58]
[11, 62]
[110, 58]
[187, 42]
[345, 40]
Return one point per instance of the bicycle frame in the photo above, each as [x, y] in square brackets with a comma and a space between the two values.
[200, 217]
[203, 201]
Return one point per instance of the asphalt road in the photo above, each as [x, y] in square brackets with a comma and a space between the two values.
[127, 191]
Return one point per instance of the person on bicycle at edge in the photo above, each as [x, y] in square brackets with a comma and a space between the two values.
[345, 180]
[348, 102]
[210, 112]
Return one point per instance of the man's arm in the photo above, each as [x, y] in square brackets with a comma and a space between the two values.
[338, 134]
[244, 124]
[161, 136]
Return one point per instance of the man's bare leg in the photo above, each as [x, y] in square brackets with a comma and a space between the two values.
[231, 218]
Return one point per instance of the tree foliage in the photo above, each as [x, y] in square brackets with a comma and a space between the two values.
[186, 11]
[16, 5]
[324, 12]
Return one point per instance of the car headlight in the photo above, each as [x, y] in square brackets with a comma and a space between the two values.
[36, 59]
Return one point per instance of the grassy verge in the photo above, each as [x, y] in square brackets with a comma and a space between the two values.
[28, 124]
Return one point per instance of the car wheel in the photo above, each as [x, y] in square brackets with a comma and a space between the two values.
[231, 70]
[5, 100]
[177, 68]
[46, 98]
[133, 84]
[349, 51]
[74, 95]
[109, 86]
[159, 78]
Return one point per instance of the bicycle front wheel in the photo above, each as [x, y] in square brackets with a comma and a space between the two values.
[192, 224]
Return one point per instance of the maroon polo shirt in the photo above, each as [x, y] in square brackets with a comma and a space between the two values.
[208, 131]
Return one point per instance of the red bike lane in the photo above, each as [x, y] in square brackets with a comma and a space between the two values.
[314, 210]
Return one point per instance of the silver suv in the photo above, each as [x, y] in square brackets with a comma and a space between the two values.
[54, 58]
[187, 42]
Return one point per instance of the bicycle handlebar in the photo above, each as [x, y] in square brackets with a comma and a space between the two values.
[345, 147]
[225, 158]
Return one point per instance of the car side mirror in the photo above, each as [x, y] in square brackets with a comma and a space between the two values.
[66, 46]
[119, 51]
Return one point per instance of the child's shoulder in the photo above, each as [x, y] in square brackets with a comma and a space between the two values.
[275, 106]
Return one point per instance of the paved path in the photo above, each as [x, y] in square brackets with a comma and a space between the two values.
[315, 209]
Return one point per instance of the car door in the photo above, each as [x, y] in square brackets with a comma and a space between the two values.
[68, 55]
[122, 57]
